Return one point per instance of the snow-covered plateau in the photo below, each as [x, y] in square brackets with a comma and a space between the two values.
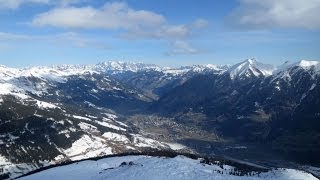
[154, 168]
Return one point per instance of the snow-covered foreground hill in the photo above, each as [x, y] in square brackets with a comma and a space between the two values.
[148, 168]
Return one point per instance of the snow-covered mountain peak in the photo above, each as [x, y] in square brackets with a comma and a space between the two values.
[55, 73]
[116, 67]
[6, 69]
[288, 69]
[2, 66]
[213, 66]
[307, 65]
[304, 64]
[192, 69]
[250, 67]
[6, 72]
[210, 67]
[34, 80]
[120, 66]
[251, 61]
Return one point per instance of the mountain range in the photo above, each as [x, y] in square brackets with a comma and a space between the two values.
[55, 114]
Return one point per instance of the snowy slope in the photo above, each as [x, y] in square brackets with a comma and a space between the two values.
[95, 141]
[35, 80]
[149, 168]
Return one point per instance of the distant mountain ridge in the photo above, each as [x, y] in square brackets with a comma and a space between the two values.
[246, 69]
[252, 66]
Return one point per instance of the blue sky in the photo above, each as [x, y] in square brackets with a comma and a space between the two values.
[164, 32]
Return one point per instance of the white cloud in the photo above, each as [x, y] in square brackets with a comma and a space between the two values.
[161, 32]
[11, 36]
[277, 13]
[182, 47]
[68, 38]
[14, 4]
[200, 23]
[166, 31]
[76, 40]
[118, 16]
[125, 21]
[112, 16]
